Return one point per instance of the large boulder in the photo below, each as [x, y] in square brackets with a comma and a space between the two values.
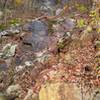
[39, 38]
[14, 90]
[62, 91]
[67, 91]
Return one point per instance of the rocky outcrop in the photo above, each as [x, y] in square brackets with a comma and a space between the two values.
[60, 91]
[64, 91]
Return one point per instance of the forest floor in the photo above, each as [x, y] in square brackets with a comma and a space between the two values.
[73, 59]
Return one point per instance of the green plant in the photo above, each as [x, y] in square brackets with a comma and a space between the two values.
[14, 21]
[81, 7]
[2, 27]
[80, 23]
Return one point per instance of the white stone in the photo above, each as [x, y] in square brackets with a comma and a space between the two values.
[13, 89]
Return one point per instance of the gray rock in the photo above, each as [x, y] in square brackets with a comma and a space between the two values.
[3, 65]
[3, 33]
[58, 11]
[39, 35]
[13, 90]
[19, 68]
[39, 38]
[8, 50]
[69, 24]
[49, 2]
[35, 26]
[28, 63]
[10, 31]
[38, 26]
[48, 6]
[14, 30]
[40, 43]
[42, 56]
